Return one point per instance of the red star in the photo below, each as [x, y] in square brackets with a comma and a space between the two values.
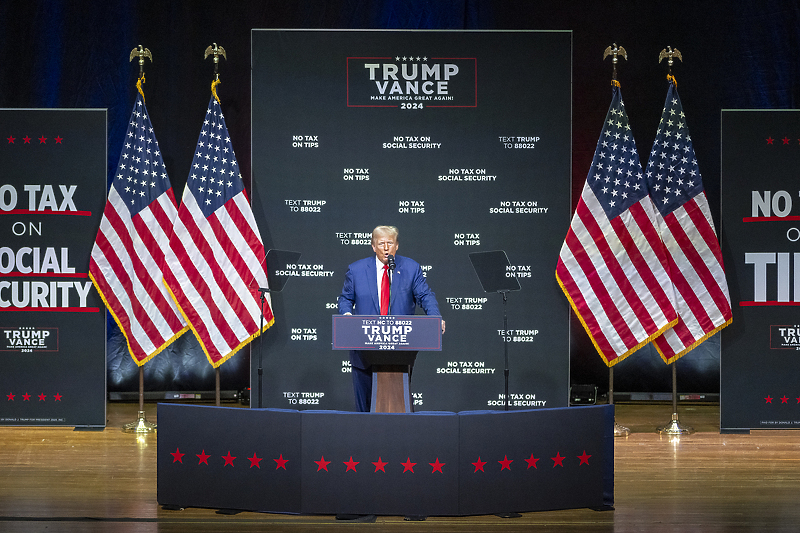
[10, 140]
[203, 457]
[43, 140]
[42, 396]
[531, 462]
[784, 399]
[584, 458]
[228, 459]
[177, 456]
[281, 462]
[351, 465]
[322, 464]
[437, 466]
[408, 466]
[26, 139]
[558, 460]
[798, 400]
[479, 465]
[768, 398]
[254, 461]
[506, 463]
[59, 139]
[26, 397]
[57, 397]
[10, 397]
[769, 140]
[379, 465]
[786, 140]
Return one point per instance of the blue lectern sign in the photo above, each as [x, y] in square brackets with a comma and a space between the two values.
[370, 332]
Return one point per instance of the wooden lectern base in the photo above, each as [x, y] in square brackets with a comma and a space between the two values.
[390, 389]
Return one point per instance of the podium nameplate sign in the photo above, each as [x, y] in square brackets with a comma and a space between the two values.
[371, 332]
[390, 345]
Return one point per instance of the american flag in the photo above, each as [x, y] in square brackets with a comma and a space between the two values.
[612, 265]
[216, 259]
[687, 230]
[128, 254]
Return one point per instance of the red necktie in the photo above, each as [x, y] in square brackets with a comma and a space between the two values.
[385, 288]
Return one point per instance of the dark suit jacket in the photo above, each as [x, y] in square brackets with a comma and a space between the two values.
[409, 289]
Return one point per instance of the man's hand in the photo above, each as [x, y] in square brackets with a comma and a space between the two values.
[442, 327]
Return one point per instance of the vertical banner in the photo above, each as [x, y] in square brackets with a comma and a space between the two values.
[760, 358]
[462, 140]
[52, 321]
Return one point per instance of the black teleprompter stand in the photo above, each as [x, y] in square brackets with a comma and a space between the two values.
[491, 268]
[277, 261]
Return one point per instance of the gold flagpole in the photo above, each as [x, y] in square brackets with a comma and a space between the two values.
[216, 51]
[615, 51]
[141, 425]
[674, 427]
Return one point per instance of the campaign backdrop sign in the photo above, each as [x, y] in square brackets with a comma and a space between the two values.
[760, 358]
[53, 336]
[461, 139]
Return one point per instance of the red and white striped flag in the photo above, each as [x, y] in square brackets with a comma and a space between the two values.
[687, 230]
[612, 265]
[128, 254]
[216, 261]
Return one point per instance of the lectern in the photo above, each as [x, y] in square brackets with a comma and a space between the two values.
[390, 344]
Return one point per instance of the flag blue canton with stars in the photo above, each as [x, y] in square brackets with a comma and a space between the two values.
[141, 176]
[214, 178]
[672, 170]
[616, 175]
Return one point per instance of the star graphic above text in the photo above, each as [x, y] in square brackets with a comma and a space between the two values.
[203, 457]
[505, 463]
[408, 466]
[584, 458]
[322, 464]
[228, 459]
[558, 460]
[281, 462]
[479, 465]
[380, 465]
[177, 456]
[351, 465]
[437, 466]
[532, 461]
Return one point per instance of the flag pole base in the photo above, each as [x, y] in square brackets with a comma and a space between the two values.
[621, 431]
[140, 426]
[675, 427]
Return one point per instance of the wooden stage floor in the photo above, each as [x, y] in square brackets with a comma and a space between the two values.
[63, 480]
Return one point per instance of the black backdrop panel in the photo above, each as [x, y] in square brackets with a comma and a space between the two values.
[52, 321]
[761, 242]
[468, 149]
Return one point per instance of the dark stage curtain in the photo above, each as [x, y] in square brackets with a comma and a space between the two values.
[738, 54]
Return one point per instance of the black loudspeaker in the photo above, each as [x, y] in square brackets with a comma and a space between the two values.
[583, 395]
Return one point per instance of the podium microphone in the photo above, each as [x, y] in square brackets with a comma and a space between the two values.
[390, 261]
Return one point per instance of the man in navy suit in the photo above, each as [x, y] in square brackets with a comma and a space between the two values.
[362, 291]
